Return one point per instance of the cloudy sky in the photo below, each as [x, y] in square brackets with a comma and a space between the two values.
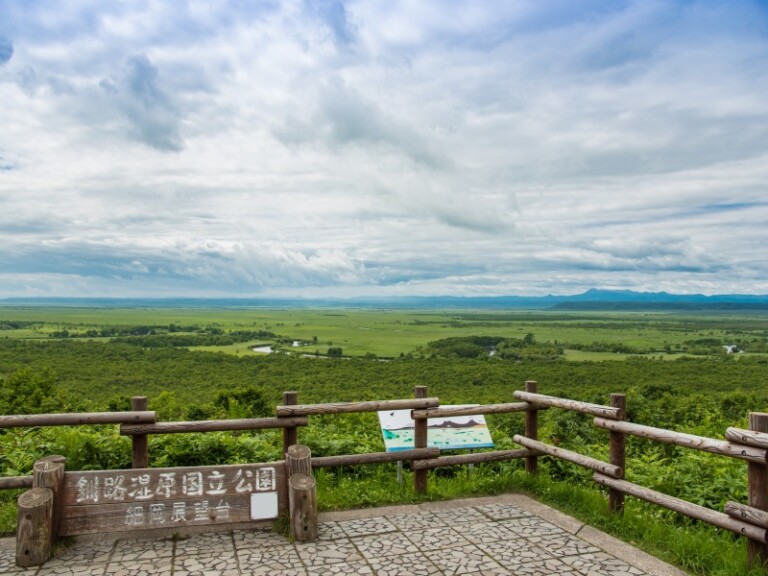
[387, 147]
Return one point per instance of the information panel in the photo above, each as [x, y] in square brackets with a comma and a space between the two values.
[451, 433]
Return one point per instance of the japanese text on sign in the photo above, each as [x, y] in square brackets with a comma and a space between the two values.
[132, 487]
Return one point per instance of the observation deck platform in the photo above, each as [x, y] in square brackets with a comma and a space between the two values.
[509, 534]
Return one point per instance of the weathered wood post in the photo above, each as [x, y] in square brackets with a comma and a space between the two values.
[302, 501]
[757, 552]
[140, 445]
[48, 473]
[34, 527]
[420, 441]
[302, 493]
[531, 427]
[618, 445]
[290, 433]
[298, 460]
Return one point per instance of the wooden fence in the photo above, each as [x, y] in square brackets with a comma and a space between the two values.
[749, 520]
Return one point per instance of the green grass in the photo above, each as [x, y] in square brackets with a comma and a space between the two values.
[238, 349]
[8, 511]
[389, 333]
[586, 356]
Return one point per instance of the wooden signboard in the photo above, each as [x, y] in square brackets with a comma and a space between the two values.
[149, 498]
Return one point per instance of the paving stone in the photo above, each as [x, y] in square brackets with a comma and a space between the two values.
[246, 539]
[205, 543]
[436, 538]
[487, 531]
[417, 521]
[601, 564]
[154, 567]
[142, 549]
[532, 526]
[71, 570]
[81, 553]
[501, 511]
[8, 563]
[283, 557]
[341, 569]
[563, 545]
[545, 568]
[453, 516]
[416, 564]
[330, 531]
[377, 545]
[512, 554]
[367, 526]
[484, 539]
[211, 564]
[467, 559]
[317, 554]
[276, 569]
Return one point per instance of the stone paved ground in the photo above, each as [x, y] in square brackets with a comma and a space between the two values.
[509, 534]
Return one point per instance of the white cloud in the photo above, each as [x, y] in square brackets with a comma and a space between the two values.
[362, 147]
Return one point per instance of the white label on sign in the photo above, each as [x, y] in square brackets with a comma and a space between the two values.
[263, 505]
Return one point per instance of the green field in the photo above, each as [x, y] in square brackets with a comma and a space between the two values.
[673, 367]
[390, 333]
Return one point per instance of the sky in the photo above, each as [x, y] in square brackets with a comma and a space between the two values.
[382, 148]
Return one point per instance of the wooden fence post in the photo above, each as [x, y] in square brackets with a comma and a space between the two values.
[531, 427]
[302, 493]
[298, 460]
[140, 445]
[420, 441]
[618, 445]
[48, 473]
[757, 552]
[290, 433]
[34, 527]
[302, 502]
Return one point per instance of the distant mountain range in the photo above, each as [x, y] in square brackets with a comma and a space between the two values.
[593, 299]
[448, 424]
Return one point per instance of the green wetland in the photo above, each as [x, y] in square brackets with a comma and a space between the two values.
[696, 373]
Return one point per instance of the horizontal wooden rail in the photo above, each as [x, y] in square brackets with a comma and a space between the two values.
[684, 507]
[712, 445]
[747, 513]
[212, 425]
[461, 459]
[574, 457]
[351, 407]
[448, 411]
[374, 457]
[747, 437]
[13, 482]
[574, 405]
[77, 419]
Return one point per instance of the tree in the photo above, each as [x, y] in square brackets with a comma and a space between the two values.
[28, 392]
[166, 405]
[529, 339]
[243, 402]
